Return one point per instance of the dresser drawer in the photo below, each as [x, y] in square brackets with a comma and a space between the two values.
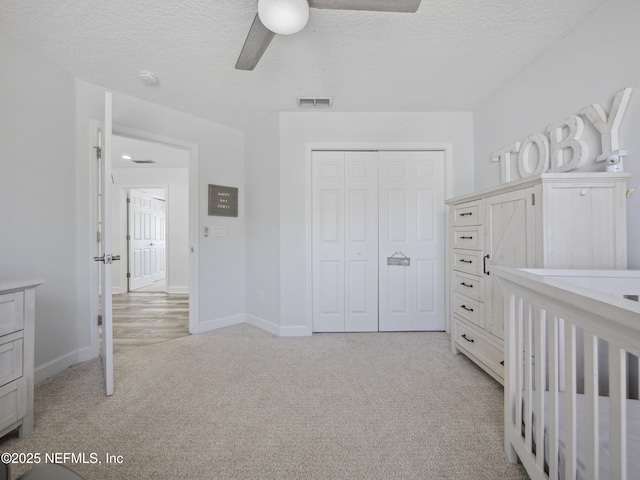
[13, 402]
[468, 261]
[476, 344]
[11, 312]
[468, 237]
[469, 213]
[10, 357]
[470, 309]
[468, 285]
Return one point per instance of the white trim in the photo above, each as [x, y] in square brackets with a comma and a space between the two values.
[447, 148]
[218, 323]
[278, 330]
[179, 289]
[57, 365]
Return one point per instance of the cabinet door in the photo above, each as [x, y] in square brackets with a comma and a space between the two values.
[509, 240]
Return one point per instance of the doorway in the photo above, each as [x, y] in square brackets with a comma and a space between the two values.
[151, 230]
[378, 253]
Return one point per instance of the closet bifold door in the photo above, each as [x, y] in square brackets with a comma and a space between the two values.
[345, 241]
[412, 212]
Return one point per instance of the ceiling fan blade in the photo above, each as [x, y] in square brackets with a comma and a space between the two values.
[257, 41]
[406, 6]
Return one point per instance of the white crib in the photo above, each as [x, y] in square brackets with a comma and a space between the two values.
[572, 343]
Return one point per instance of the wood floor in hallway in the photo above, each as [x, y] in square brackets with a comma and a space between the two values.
[146, 318]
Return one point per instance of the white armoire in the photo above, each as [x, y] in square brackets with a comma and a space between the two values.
[550, 220]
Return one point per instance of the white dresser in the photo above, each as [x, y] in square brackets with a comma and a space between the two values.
[551, 220]
[17, 314]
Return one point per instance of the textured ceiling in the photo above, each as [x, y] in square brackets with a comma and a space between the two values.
[449, 56]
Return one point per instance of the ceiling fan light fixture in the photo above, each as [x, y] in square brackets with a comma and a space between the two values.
[284, 17]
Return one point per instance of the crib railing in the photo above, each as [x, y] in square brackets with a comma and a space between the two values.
[570, 337]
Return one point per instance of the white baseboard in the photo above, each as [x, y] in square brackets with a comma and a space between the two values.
[280, 331]
[217, 323]
[49, 369]
[180, 289]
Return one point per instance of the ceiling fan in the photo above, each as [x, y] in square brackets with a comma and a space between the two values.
[290, 16]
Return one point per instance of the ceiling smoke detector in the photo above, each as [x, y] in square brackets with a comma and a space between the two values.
[148, 78]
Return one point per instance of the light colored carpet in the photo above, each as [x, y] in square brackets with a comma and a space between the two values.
[239, 403]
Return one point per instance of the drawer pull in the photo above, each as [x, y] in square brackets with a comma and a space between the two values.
[502, 363]
[465, 261]
[466, 308]
[466, 238]
[466, 285]
[466, 213]
[464, 335]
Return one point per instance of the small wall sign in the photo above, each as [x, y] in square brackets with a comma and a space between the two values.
[223, 201]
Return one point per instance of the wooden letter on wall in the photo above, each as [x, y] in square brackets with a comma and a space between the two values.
[504, 157]
[524, 166]
[609, 126]
[558, 146]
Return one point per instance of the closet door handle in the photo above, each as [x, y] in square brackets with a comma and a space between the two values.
[466, 308]
[466, 285]
[470, 340]
[484, 264]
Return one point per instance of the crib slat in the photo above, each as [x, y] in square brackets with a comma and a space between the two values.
[540, 371]
[528, 370]
[511, 391]
[518, 359]
[618, 413]
[570, 400]
[591, 405]
[554, 409]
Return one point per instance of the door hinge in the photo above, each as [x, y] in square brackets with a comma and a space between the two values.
[98, 237]
[533, 199]
[128, 237]
[99, 319]
[128, 275]
[98, 152]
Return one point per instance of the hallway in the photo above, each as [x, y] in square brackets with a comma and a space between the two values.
[147, 318]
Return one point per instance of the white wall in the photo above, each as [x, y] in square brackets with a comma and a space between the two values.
[176, 184]
[262, 177]
[221, 260]
[37, 195]
[298, 130]
[588, 66]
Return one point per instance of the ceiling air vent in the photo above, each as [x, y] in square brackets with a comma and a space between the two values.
[143, 161]
[315, 102]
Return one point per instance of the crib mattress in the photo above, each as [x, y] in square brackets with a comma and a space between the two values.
[633, 436]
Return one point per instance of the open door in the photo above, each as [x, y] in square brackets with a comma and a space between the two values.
[106, 257]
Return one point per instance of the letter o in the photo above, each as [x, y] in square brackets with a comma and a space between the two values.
[524, 165]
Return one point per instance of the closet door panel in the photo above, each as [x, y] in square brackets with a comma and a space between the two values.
[361, 241]
[411, 225]
[328, 242]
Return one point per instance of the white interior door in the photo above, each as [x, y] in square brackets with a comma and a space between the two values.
[159, 243]
[104, 200]
[142, 233]
[345, 243]
[367, 206]
[411, 297]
